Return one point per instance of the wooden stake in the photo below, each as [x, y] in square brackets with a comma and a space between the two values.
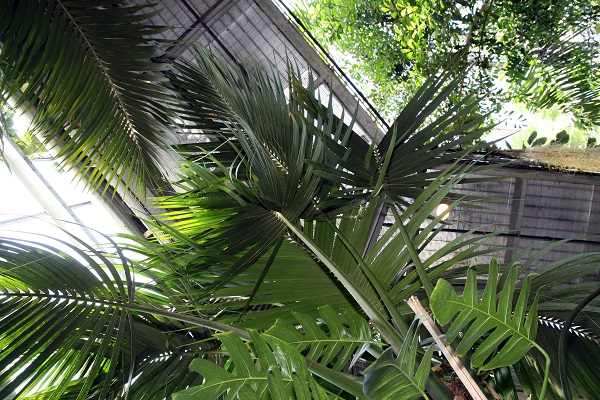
[455, 362]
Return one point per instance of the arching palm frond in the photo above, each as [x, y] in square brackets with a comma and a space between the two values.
[271, 367]
[86, 69]
[75, 323]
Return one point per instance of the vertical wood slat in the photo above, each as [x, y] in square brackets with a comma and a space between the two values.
[517, 206]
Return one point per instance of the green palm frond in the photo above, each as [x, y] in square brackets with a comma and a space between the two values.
[409, 156]
[390, 258]
[583, 350]
[86, 67]
[564, 283]
[334, 342]
[270, 368]
[73, 322]
[211, 233]
[401, 376]
[295, 283]
[58, 321]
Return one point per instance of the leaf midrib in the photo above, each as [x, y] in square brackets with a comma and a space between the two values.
[100, 64]
[499, 321]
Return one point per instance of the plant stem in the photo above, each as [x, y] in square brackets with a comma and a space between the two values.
[456, 363]
[562, 342]
[383, 295]
[372, 312]
[546, 371]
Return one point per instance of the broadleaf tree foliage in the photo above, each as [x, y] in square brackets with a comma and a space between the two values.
[536, 46]
[271, 239]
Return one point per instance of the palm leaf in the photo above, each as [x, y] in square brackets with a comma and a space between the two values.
[560, 292]
[399, 377]
[295, 283]
[408, 156]
[70, 326]
[86, 67]
[48, 317]
[334, 342]
[272, 368]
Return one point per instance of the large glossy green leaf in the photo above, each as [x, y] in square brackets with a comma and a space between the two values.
[498, 334]
[399, 376]
[87, 71]
[270, 368]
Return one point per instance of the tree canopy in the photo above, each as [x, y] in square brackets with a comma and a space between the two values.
[543, 52]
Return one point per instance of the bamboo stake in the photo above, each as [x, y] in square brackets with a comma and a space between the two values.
[455, 362]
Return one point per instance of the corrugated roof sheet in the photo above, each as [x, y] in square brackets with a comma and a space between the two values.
[254, 31]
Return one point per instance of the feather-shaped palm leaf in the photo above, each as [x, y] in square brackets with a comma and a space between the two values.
[271, 368]
[334, 343]
[87, 68]
[69, 326]
[58, 322]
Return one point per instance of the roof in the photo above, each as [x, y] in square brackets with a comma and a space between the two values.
[255, 31]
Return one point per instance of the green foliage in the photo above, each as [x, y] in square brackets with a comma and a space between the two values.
[496, 334]
[400, 377]
[269, 368]
[395, 44]
[534, 141]
[509, 333]
[583, 377]
[86, 69]
[275, 224]
[333, 343]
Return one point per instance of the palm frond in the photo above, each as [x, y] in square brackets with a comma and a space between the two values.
[399, 376]
[75, 323]
[86, 68]
[295, 283]
[409, 156]
[583, 350]
[58, 321]
[270, 368]
[330, 343]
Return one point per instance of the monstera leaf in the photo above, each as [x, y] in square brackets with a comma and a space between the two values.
[498, 335]
[333, 343]
[396, 378]
[270, 369]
